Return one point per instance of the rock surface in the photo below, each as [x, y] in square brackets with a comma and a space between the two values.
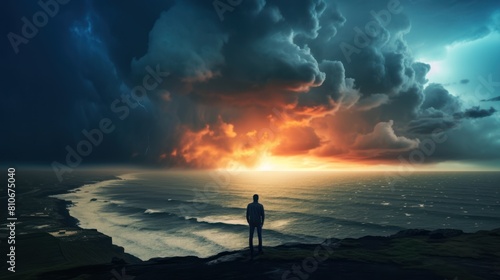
[406, 255]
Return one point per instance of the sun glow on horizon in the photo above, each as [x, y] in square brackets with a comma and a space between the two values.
[265, 166]
[271, 163]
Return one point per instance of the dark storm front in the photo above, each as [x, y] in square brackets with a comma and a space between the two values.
[302, 207]
[121, 107]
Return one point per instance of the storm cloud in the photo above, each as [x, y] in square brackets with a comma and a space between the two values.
[476, 113]
[492, 99]
[186, 87]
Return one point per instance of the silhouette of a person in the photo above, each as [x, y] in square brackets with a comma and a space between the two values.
[255, 219]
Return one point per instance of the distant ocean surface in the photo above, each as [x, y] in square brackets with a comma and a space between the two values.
[191, 213]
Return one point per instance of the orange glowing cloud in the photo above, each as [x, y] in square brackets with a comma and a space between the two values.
[285, 139]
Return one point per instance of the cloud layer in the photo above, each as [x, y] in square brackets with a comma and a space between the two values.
[184, 88]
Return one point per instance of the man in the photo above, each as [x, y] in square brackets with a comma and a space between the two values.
[255, 219]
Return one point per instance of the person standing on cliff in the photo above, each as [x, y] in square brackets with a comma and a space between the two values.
[255, 219]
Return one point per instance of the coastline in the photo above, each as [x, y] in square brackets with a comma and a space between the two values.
[63, 205]
[46, 225]
[67, 205]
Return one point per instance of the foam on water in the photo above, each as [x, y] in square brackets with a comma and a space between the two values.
[152, 211]
[144, 244]
[225, 219]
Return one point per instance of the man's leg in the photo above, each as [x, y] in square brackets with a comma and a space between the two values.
[250, 239]
[259, 234]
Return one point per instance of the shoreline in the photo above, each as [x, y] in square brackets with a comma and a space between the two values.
[48, 237]
[64, 205]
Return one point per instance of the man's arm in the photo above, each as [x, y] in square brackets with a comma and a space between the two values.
[263, 215]
[248, 215]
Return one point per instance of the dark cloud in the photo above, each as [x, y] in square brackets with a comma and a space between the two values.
[334, 88]
[431, 125]
[472, 141]
[421, 70]
[383, 139]
[442, 111]
[476, 113]
[250, 52]
[492, 99]
[227, 78]
[372, 101]
[431, 120]
[437, 97]
[63, 81]
[121, 22]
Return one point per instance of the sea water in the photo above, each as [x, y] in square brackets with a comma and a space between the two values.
[202, 213]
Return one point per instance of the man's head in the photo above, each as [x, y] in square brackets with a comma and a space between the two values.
[255, 197]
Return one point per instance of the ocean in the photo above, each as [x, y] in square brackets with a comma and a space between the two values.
[202, 213]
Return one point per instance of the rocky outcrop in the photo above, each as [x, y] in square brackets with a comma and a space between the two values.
[409, 254]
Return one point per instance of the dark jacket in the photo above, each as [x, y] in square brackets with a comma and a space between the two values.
[255, 214]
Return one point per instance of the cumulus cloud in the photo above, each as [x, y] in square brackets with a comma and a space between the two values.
[251, 52]
[333, 90]
[421, 70]
[384, 139]
[191, 52]
[296, 140]
[437, 97]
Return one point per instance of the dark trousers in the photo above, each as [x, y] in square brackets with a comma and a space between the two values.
[259, 234]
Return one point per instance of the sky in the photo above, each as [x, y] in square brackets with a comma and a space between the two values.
[296, 84]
